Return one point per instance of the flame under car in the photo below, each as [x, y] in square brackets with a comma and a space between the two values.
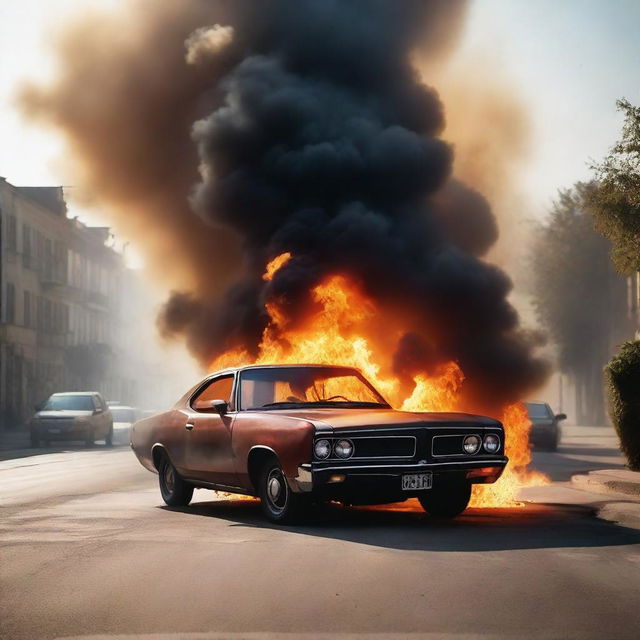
[297, 434]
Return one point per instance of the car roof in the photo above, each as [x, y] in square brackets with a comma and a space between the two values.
[536, 402]
[279, 366]
[77, 393]
[121, 406]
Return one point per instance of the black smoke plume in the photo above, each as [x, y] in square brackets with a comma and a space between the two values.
[315, 136]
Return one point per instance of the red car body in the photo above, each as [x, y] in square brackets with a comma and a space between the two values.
[224, 446]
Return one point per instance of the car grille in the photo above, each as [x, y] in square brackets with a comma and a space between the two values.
[56, 423]
[384, 447]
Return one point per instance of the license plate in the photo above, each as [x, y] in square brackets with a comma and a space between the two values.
[416, 481]
[54, 430]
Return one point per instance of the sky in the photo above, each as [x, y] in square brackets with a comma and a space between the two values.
[570, 59]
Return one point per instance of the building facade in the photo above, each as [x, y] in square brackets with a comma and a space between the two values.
[61, 305]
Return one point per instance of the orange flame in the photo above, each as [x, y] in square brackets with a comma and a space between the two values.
[277, 263]
[345, 327]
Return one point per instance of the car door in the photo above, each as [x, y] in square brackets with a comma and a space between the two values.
[98, 419]
[208, 452]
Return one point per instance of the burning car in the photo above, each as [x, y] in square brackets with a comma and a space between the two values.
[293, 434]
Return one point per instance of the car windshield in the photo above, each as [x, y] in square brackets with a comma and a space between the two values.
[292, 387]
[123, 415]
[69, 403]
[538, 410]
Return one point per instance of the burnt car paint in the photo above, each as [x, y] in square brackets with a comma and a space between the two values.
[215, 451]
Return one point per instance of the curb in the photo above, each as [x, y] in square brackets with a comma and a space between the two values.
[609, 482]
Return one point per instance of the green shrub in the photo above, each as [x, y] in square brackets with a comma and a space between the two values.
[623, 382]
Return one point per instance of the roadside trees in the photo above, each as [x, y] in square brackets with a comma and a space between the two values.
[577, 296]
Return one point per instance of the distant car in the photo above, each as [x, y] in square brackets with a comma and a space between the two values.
[545, 425]
[79, 415]
[291, 434]
[123, 418]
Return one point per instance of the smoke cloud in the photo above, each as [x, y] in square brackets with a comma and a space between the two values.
[298, 127]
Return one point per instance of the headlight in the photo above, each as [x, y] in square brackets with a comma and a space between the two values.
[491, 443]
[471, 444]
[344, 448]
[322, 449]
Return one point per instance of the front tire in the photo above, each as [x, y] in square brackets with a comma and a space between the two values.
[108, 441]
[89, 438]
[279, 504]
[174, 490]
[447, 500]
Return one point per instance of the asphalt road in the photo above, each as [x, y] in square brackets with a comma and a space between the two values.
[88, 550]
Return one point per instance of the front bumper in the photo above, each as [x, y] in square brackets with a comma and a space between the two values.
[61, 432]
[380, 482]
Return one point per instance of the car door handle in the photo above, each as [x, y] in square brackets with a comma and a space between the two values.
[189, 426]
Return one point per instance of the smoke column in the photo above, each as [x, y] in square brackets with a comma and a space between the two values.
[315, 136]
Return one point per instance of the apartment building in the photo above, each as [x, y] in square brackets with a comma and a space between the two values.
[60, 303]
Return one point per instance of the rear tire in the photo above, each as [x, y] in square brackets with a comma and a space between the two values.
[447, 500]
[174, 490]
[278, 503]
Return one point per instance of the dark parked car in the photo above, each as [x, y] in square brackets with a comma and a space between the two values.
[295, 434]
[545, 425]
[78, 415]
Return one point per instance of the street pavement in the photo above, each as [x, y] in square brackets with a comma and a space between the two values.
[88, 551]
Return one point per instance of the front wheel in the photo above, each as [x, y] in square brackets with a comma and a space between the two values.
[279, 504]
[174, 490]
[108, 441]
[446, 501]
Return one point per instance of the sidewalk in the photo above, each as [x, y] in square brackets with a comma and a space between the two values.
[609, 481]
[613, 494]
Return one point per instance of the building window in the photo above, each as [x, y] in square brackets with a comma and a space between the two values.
[26, 245]
[11, 303]
[27, 309]
[12, 234]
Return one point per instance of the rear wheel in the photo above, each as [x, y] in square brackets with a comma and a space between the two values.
[279, 504]
[447, 500]
[174, 490]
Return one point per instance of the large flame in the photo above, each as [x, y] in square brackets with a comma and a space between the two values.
[344, 327]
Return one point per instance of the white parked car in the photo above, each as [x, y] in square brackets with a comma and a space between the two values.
[123, 418]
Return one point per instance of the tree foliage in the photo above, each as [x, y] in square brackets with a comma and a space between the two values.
[571, 277]
[623, 378]
[616, 200]
[576, 294]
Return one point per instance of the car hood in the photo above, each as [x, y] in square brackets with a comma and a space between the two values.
[63, 414]
[366, 418]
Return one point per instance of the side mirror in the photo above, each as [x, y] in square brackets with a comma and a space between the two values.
[97, 411]
[561, 416]
[221, 406]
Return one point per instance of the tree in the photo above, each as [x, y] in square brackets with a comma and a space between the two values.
[616, 200]
[577, 297]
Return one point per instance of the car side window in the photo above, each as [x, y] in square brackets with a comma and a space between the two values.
[96, 403]
[217, 389]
